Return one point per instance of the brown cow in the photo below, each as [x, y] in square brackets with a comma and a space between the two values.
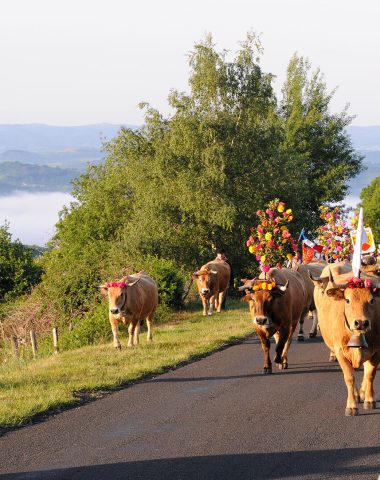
[131, 299]
[276, 306]
[349, 320]
[212, 283]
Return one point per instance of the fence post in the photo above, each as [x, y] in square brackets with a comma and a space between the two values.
[33, 339]
[14, 343]
[55, 339]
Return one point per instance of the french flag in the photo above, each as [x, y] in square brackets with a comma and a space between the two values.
[309, 243]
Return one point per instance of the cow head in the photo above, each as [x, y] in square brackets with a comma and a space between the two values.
[360, 304]
[205, 279]
[261, 295]
[117, 294]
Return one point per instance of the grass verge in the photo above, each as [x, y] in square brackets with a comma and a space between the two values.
[29, 389]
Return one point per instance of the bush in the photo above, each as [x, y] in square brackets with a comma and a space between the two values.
[93, 327]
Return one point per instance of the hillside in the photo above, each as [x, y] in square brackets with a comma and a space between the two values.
[16, 176]
[73, 148]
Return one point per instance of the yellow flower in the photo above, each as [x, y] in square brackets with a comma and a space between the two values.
[268, 236]
[289, 211]
[269, 286]
[289, 256]
[284, 240]
[281, 208]
[263, 258]
[251, 249]
[264, 286]
[256, 287]
[284, 228]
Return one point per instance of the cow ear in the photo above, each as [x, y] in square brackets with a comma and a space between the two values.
[318, 281]
[194, 275]
[103, 290]
[336, 293]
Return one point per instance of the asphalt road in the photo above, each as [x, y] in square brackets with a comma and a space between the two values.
[217, 418]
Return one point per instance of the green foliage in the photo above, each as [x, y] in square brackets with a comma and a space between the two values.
[179, 187]
[18, 271]
[370, 201]
[94, 327]
[320, 153]
[168, 278]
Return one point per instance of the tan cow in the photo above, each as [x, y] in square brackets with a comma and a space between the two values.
[212, 282]
[131, 299]
[315, 268]
[349, 320]
[276, 306]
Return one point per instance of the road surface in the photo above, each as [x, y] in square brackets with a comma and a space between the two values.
[217, 418]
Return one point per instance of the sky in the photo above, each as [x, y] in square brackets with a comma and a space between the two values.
[75, 62]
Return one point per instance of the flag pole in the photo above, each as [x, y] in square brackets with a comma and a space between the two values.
[357, 256]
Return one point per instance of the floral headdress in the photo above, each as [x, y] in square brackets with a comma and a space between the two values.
[334, 235]
[115, 284]
[271, 240]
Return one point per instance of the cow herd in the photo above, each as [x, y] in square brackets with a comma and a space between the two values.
[346, 308]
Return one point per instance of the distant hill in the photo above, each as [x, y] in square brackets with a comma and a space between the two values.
[39, 137]
[75, 158]
[16, 176]
[25, 149]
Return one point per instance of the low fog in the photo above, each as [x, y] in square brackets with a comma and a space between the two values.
[32, 216]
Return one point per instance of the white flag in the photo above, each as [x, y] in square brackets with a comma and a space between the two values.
[360, 237]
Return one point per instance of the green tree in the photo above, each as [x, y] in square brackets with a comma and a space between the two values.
[321, 154]
[18, 271]
[370, 201]
[181, 186]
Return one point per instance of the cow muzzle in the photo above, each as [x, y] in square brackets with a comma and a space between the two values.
[263, 321]
[358, 329]
[205, 291]
[114, 311]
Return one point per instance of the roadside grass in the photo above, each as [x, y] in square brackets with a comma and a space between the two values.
[29, 389]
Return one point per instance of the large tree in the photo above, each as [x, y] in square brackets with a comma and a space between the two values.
[183, 185]
[321, 151]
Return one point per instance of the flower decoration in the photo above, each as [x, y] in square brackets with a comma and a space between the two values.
[354, 282]
[264, 286]
[115, 285]
[334, 235]
[271, 241]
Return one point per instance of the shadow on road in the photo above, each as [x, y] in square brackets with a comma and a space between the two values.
[351, 463]
[291, 371]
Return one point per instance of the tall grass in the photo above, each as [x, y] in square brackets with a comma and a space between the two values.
[32, 387]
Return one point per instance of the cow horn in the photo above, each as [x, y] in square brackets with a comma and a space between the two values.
[283, 287]
[133, 283]
[336, 285]
[247, 284]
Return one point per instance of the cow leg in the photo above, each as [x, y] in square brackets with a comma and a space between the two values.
[205, 305]
[313, 330]
[149, 324]
[131, 329]
[265, 344]
[115, 330]
[211, 305]
[136, 333]
[348, 373]
[282, 339]
[300, 337]
[285, 350]
[366, 389]
[221, 298]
